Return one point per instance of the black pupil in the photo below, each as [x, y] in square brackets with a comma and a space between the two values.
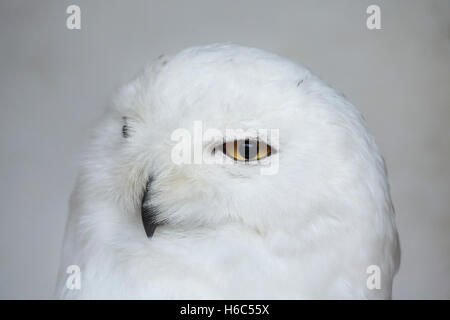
[248, 149]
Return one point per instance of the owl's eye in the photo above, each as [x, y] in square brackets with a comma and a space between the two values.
[246, 150]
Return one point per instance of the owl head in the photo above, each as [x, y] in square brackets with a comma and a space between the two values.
[225, 135]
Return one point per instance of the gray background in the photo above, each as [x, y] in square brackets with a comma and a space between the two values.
[55, 83]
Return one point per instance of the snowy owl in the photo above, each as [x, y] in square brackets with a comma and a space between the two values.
[143, 225]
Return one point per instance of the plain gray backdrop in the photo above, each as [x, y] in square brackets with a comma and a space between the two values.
[55, 83]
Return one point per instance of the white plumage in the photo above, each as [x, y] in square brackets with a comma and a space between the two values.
[225, 231]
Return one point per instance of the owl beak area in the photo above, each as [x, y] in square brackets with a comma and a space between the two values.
[148, 211]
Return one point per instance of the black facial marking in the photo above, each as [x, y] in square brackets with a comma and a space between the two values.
[125, 128]
[148, 211]
[299, 83]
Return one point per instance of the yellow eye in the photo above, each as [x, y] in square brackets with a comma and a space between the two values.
[247, 150]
